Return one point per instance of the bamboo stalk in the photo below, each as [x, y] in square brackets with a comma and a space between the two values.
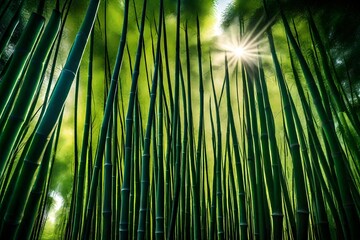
[340, 169]
[146, 152]
[46, 126]
[20, 57]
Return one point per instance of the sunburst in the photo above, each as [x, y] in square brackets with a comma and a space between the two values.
[246, 48]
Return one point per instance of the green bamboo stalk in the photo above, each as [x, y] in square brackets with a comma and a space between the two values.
[107, 210]
[84, 149]
[264, 137]
[265, 142]
[338, 214]
[136, 156]
[225, 187]
[151, 213]
[177, 183]
[336, 98]
[276, 164]
[46, 201]
[143, 48]
[134, 166]
[114, 153]
[240, 180]
[325, 164]
[96, 234]
[245, 168]
[180, 220]
[46, 126]
[340, 169]
[350, 155]
[32, 78]
[201, 94]
[128, 142]
[65, 13]
[184, 159]
[133, 177]
[205, 192]
[175, 130]
[233, 228]
[155, 179]
[4, 6]
[314, 138]
[10, 28]
[145, 179]
[20, 57]
[250, 156]
[320, 213]
[212, 203]
[70, 219]
[107, 68]
[104, 128]
[159, 226]
[167, 67]
[33, 204]
[193, 169]
[168, 190]
[301, 201]
[134, 198]
[201, 130]
[346, 118]
[326, 103]
[9, 182]
[321, 224]
[107, 206]
[217, 163]
[45, 204]
[188, 203]
[252, 74]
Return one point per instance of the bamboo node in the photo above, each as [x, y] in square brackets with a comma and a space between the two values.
[301, 211]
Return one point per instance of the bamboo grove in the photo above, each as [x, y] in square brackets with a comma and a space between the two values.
[186, 148]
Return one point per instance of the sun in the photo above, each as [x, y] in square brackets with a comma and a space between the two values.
[239, 51]
[244, 49]
[240, 48]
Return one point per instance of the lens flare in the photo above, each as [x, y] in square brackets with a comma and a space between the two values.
[245, 47]
[239, 51]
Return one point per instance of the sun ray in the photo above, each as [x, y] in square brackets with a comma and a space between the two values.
[247, 47]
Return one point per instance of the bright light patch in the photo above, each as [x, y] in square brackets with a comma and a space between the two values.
[246, 47]
[220, 7]
[58, 203]
[239, 51]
